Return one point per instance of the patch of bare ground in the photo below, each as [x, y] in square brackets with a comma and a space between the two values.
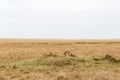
[3, 77]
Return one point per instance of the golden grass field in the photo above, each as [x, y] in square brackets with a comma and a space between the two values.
[30, 59]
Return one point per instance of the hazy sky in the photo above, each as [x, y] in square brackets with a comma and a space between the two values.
[60, 19]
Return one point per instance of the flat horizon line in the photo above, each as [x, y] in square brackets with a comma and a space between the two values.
[59, 38]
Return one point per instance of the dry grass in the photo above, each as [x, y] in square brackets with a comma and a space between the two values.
[59, 59]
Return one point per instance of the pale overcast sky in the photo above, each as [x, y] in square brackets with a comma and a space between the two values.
[74, 19]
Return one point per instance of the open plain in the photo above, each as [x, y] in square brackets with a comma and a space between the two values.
[34, 59]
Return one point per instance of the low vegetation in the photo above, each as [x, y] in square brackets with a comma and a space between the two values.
[48, 67]
[108, 58]
[60, 62]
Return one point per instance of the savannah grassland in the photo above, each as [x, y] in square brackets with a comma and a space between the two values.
[46, 60]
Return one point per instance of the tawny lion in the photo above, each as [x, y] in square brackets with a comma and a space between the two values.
[68, 53]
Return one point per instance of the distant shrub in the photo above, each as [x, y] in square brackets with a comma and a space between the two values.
[88, 42]
[107, 57]
[111, 58]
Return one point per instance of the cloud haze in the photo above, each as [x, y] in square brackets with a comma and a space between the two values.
[59, 19]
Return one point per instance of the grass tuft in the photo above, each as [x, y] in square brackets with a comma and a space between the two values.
[111, 58]
[108, 58]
